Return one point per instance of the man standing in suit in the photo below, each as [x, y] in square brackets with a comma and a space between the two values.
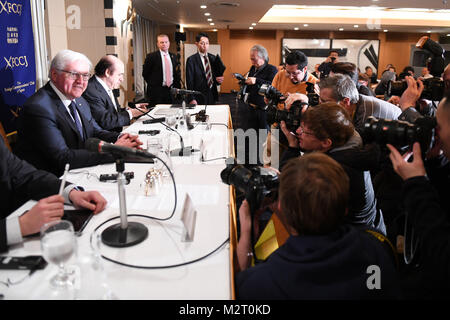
[20, 182]
[99, 94]
[56, 121]
[200, 73]
[160, 72]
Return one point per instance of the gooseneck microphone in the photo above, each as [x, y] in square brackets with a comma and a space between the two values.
[176, 91]
[97, 145]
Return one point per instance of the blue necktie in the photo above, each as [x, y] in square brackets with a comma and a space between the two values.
[72, 108]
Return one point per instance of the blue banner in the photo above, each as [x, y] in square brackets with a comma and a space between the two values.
[17, 65]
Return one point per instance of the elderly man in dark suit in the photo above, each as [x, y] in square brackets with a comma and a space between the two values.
[99, 94]
[56, 121]
[160, 72]
[201, 74]
[20, 182]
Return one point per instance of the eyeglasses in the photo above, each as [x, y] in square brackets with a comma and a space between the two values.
[293, 74]
[75, 75]
[301, 130]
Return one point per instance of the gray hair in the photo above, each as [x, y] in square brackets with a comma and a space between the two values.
[342, 86]
[262, 52]
[64, 57]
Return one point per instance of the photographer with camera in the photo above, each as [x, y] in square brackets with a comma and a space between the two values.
[292, 79]
[327, 128]
[325, 66]
[340, 89]
[424, 195]
[323, 258]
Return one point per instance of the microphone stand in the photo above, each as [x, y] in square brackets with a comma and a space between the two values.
[184, 151]
[123, 234]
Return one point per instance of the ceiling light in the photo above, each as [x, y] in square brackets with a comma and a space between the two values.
[448, 34]
[296, 28]
[209, 19]
[211, 24]
[348, 15]
[385, 30]
[355, 26]
[253, 24]
[429, 31]
[305, 25]
[207, 14]
[251, 28]
[341, 29]
[215, 30]
[203, 7]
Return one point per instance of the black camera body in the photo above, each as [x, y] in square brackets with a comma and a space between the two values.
[433, 88]
[401, 134]
[242, 94]
[255, 182]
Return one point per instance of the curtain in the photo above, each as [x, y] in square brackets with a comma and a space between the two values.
[144, 42]
[40, 44]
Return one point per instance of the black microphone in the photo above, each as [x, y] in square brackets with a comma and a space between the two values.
[176, 91]
[97, 145]
[154, 120]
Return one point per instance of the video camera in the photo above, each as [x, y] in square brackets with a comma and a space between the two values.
[242, 94]
[255, 182]
[293, 116]
[433, 87]
[401, 134]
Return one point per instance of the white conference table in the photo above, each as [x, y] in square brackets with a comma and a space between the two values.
[210, 278]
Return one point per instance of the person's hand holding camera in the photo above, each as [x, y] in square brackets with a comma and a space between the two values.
[406, 169]
[292, 97]
[290, 136]
[250, 81]
[411, 94]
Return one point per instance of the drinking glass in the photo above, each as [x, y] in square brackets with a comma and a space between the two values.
[58, 246]
[171, 120]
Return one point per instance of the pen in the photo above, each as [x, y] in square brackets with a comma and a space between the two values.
[63, 180]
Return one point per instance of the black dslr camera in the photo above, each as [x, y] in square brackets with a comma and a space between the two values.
[292, 117]
[433, 87]
[401, 134]
[242, 94]
[255, 182]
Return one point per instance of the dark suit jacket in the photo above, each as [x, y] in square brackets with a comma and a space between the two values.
[102, 108]
[196, 79]
[48, 137]
[20, 182]
[152, 73]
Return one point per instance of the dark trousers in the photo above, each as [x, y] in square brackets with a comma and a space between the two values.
[159, 95]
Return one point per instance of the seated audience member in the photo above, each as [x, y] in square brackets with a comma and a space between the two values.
[316, 72]
[350, 69]
[99, 94]
[56, 121]
[426, 73]
[20, 182]
[327, 128]
[372, 76]
[407, 71]
[341, 89]
[323, 258]
[424, 197]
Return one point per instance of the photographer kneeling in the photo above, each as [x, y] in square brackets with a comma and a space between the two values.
[327, 128]
[323, 258]
[425, 193]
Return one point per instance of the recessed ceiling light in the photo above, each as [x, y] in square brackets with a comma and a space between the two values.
[341, 29]
[448, 34]
[215, 30]
[355, 26]
[203, 7]
[253, 24]
[211, 24]
[305, 25]
[209, 19]
[428, 31]
[296, 28]
[251, 28]
[385, 30]
[207, 14]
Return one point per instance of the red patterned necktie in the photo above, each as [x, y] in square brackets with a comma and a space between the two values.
[208, 72]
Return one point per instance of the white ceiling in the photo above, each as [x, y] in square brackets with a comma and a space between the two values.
[240, 14]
